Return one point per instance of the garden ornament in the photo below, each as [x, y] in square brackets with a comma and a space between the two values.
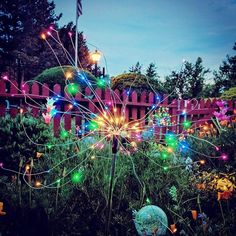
[150, 220]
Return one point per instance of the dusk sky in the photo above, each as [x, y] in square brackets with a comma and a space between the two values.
[161, 31]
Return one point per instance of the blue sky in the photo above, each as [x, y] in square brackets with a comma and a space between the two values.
[161, 31]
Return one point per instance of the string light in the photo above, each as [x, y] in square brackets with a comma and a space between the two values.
[224, 157]
[186, 124]
[68, 75]
[73, 88]
[77, 177]
[38, 183]
[202, 162]
[43, 36]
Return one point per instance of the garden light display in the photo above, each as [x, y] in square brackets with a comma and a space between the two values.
[108, 126]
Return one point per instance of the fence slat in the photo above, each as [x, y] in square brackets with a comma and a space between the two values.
[2, 86]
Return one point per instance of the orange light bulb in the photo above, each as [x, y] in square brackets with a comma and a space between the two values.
[43, 36]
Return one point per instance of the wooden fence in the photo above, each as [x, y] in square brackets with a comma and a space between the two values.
[13, 97]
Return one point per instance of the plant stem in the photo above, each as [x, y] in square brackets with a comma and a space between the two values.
[222, 213]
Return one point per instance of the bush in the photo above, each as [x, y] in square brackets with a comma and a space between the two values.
[137, 82]
[229, 94]
[55, 75]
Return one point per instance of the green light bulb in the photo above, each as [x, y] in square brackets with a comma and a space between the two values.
[77, 177]
[186, 124]
[101, 83]
[64, 134]
[93, 125]
[165, 168]
[73, 88]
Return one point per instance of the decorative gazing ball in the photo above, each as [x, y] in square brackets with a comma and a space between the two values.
[150, 220]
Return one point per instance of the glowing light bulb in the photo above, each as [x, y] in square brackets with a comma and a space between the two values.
[93, 157]
[165, 168]
[1, 165]
[5, 77]
[73, 88]
[169, 150]
[77, 177]
[64, 134]
[37, 183]
[27, 167]
[70, 106]
[224, 157]
[68, 75]
[43, 36]
[202, 162]
[186, 124]
[21, 110]
[70, 34]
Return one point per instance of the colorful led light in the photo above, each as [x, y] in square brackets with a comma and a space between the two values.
[186, 124]
[73, 88]
[77, 177]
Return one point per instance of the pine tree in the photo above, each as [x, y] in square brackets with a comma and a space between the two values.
[21, 23]
[225, 78]
[136, 68]
[188, 82]
[151, 71]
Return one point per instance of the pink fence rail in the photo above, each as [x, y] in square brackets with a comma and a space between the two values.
[13, 97]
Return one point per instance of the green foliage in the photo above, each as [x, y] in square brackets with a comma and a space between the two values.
[225, 78]
[137, 82]
[15, 132]
[151, 71]
[79, 205]
[21, 24]
[136, 68]
[188, 82]
[55, 75]
[229, 94]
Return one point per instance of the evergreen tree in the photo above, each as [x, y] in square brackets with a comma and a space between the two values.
[196, 77]
[136, 68]
[189, 82]
[151, 71]
[225, 78]
[21, 23]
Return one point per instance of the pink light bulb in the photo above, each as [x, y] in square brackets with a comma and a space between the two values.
[217, 148]
[70, 34]
[224, 157]
[5, 77]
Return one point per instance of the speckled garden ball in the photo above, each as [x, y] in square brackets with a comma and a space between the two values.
[150, 220]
